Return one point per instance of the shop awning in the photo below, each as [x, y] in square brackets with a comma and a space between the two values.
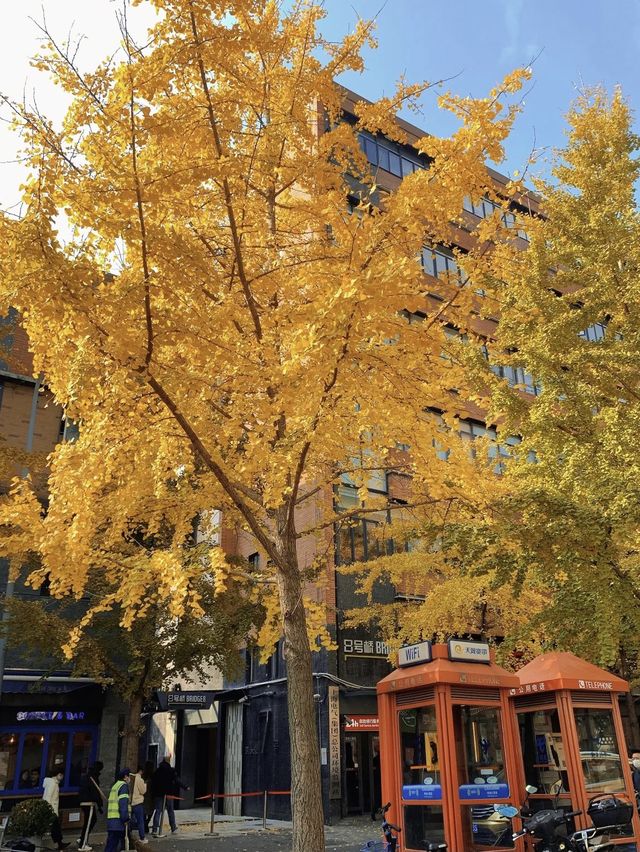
[43, 686]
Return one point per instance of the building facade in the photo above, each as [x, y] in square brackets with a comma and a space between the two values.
[48, 719]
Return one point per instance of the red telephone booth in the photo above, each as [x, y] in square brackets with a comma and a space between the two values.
[571, 741]
[446, 746]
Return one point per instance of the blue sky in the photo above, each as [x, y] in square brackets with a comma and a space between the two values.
[580, 43]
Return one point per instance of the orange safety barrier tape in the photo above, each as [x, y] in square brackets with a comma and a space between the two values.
[235, 795]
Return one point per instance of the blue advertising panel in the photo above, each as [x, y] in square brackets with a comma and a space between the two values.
[422, 792]
[484, 791]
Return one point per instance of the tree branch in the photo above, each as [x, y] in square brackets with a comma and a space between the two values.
[237, 240]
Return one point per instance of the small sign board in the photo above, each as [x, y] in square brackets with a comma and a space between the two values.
[334, 743]
[483, 791]
[469, 652]
[359, 722]
[422, 792]
[185, 700]
[411, 655]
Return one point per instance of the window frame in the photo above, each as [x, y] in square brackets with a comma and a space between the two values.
[70, 730]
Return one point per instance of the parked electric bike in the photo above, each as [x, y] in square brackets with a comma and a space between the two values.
[548, 827]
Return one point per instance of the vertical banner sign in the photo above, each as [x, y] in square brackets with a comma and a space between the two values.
[334, 742]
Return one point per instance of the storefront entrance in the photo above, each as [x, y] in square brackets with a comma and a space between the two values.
[361, 770]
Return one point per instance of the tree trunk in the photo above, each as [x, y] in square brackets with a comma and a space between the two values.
[131, 735]
[306, 784]
[633, 727]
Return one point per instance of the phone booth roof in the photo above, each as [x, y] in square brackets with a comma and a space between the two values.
[563, 670]
[443, 670]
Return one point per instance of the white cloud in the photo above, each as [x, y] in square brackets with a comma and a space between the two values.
[512, 12]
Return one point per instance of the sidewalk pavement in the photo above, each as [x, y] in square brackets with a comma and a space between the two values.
[245, 834]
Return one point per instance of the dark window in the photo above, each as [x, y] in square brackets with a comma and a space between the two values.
[407, 167]
[394, 164]
[371, 150]
[81, 745]
[440, 263]
[9, 755]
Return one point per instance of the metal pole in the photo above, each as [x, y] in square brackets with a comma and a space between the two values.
[9, 588]
[87, 828]
[264, 811]
[213, 817]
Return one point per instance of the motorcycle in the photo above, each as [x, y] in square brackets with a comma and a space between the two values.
[548, 827]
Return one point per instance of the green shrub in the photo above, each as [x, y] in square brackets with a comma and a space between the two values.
[31, 818]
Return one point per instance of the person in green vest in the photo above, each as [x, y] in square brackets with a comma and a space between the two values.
[118, 812]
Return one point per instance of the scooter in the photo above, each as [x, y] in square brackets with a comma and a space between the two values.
[548, 827]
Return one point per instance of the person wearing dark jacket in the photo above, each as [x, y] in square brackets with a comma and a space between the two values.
[635, 772]
[91, 797]
[164, 783]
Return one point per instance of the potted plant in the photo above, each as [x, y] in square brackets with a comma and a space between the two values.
[30, 820]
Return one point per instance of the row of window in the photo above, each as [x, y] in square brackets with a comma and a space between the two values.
[513, 375]
[440, 263]
[385, 158]
[363, 539]
[389, 160]
[485, 207]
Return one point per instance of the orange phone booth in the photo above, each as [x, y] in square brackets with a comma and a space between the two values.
[572, 748]
[447, 747]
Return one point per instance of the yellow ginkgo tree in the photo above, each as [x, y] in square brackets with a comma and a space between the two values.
[549, 555]
[228, 331]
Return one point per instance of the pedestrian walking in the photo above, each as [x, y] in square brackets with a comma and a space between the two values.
[138, 791]
[635, 773]
[51, 794]
[91, 798]
[147, 772]
[118, 812]
[164, 784]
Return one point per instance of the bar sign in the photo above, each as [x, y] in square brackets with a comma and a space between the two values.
[411, 655]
